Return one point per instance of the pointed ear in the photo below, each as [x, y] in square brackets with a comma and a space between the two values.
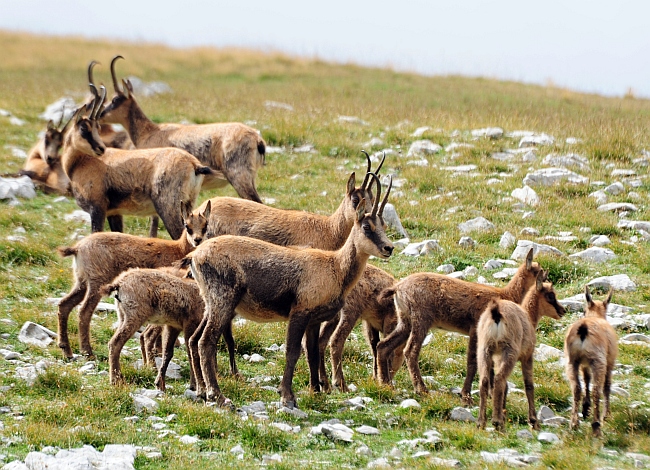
[206, 211]
[609, 297]
[184, 213]
[539, 283]
[129, 85]
[529, 259]
[79, 116]
[50, 125]
[588, 299]
[361, 209]
[351, 183]
[544, 275]
[126, 89]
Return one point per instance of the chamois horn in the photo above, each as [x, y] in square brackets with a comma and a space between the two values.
[99, 102]
[383, 203]
[368, 171]
[90, 71]
[115, 85]
[375, 205]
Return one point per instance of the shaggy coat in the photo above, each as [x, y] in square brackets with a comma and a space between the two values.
[100, 257]
[429, 300]
[234, 149]
[43, 164]
[507, 334]
[591, 347]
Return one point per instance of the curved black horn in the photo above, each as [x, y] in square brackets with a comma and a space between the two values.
[383, 203]
[90, 71]
[76, 111]
[380, 164]
[99, 102]
[115, 85]
[62, 114]
[375, 205]
[368, 171]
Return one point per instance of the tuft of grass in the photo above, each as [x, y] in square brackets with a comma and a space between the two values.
[562, 271]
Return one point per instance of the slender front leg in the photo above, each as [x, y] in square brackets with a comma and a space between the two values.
[313, 358]
[337, 343]
[326, 330]
[412, 353]
[195, 360]
[527, 372]
[124, 332]
[230, 344]
[385, 348]
[116, 223]
[66, 305]
[466, 392]
[574, 379]
[168, 340]
[296, 329]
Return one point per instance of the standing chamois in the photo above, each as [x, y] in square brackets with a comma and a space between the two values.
[591, 346]
[100, 257]
[507, 334]
[265, 282]
[429, 300]
[234, 149]
[137, 182]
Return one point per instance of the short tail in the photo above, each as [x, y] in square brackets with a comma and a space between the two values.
[186, 262]
[494, 311]
[583, 331]
[261, 149]
[206, 170]
[108, 289]
[66, 251]
[385, 297]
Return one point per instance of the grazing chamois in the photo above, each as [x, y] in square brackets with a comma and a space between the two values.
[234, 149]
[507, 334]
[591, 346]
[362, 303]
[100, 257]
[265, 282]
[429, 300]
[137, 182]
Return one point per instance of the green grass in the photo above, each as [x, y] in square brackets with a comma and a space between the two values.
[67, 409]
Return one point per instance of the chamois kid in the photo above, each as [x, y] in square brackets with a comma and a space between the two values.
[233, 148]
[137, 182]
[265, 282]
[507, 334]
[591, 346]
[429, 300]
[100, 257]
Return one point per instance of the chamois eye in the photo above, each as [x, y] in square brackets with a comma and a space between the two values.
[367, 228]
[355, 200]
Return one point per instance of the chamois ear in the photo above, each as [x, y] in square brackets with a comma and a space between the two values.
[351, 183]
[588, 298]
[79, 115]
[206, 211]
[539, 282]
[361, 209]
[184, 212]
[50, 125]
[529, 259]
[126, 89]
[609, 297]
[129, 85]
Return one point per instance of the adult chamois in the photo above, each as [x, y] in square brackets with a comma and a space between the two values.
[429, 300]
[232, 148]
[265, 282]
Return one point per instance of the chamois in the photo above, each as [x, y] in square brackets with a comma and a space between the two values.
[591, 346]
[100, 257]
[138, 182]
[43, 164]
[429, 300]
[507, 334]
[156, 297]
[234, 149]
[265, 282]
[361, 304]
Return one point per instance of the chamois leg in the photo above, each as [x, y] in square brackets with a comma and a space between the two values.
[595, 391]
[385, 348]
[153, 228]
[116, 223]
[419, 331]
[506, 365]
[487, 366]
[169, 337]
[149, 340]
[66, 305]
[337, 343]
[312, 353]
[324, 337]
[171, 217]
[230, 344]
[586, 403]
[97, 219]
[242, 178]
[466, 392]
[188, 331]
[372, 338]
[195, 361]
[124, 332]
[86, 311]
[298, 322]
[607, 388]
[574, 379]
[527, 372]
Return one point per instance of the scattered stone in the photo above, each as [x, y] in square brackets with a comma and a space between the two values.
[353, 120]
[623, 172]
[369, 430]
[437, 461]
[392, 219]
[556, 421]
[615, 189]
[620, 282]
[30, 373]
[120, 457]
[507, 240]
[256, 358]
[505, 273]
[634, 224]
[422, 248]
[488, 132]
[565, 161]
[529, 231]
[461, 414]
[337, 432]
[536, 139]
[32, 333]
[420, 131]
[599, 196]
[446, 268]
[600, 240]
[379, 463]
[409, 403]
[544, 352]
[286, 427]
[527, 195]
[493, 264]
[9, 355]
[547, 437]
[374, 142]
[476, 224]
[460, 168]
[277, 105]
[524, 246]
[271, 459]
[550, 176]
[142, 88]
[595, 254]
[87, 367]
[456, 145]
[173, 369]
[467, 242]
[617, 207]
[77, 216]
[423, 148]
[401, 243]
[144, 403]
[59, 111]
[307, 148]
[635, 338]
[363, 450]
[525, 434]
[11, 188]
[621, 392]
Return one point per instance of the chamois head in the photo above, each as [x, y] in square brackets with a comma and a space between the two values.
[195, 224]
[83, 135]
[52, 142]
[596, 308]
[117, 110]
[548, 304]
[369, 228]
[354, 195]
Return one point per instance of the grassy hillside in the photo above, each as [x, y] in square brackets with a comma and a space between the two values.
[66, 408]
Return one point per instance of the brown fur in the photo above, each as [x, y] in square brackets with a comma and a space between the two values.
[429, 300]
[100, 257]
[507, 334]
[137, 182]
[264, 282]
[234, 149]
[591, 346]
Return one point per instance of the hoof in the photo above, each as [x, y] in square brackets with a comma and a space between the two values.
[291, 404]
[595, 428]
[467, 401]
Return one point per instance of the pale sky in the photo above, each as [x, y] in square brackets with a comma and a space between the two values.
[592, 46]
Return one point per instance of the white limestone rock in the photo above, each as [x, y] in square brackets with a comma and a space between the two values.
[600, 196]
[422, 248]
[600, 240]
[460, 168]
[595, 254]
[277, 105]
[527, 195]
[32, 333]
[461, 414]
[59, 111]
[619, 282]
[420, 131]
[548, 437]
[524, 246]
[615, 189]
[353, 120]
[567, 161]
[11, 188]
[467, 242]
[476, 224]
[421, 148]
[488, 132]
[77, 216]
[392, 219]
[544, 352]
[507, 240]
[550, 176]
[446, 268]
[409, 403]
[536, 139]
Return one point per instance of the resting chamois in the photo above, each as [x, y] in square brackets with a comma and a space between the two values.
[100, 257]
[233, 148]
[429, 300]
[43, 164]
[137, 182]
[591, 346]
[265, 282]
[507, 334]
